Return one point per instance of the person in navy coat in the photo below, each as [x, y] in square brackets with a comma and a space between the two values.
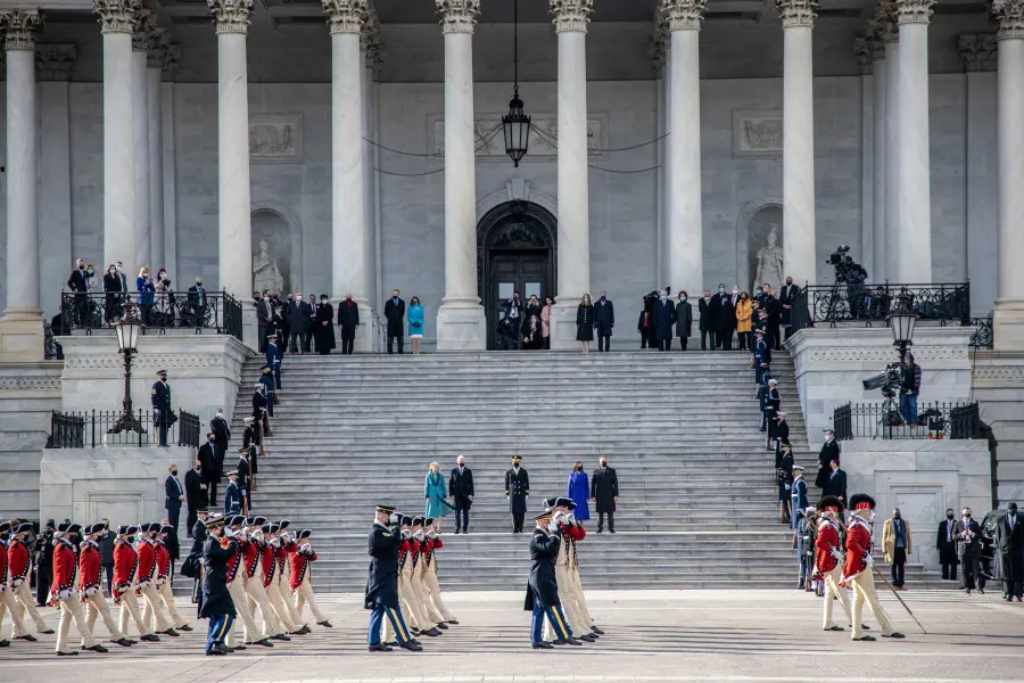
[604, 321]
[542, 588]
[233, 495]
[382, 583]
[664, 319]
[274, 359]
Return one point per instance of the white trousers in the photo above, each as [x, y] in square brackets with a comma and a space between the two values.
[130, 607]
[303, 595]
[71, 609]
[167, 598]
[569, 608]
[96, 605]
[152, 611]
[433, 587]
[250, 633]
[258, 600]
[864, 591]
[279, 606]
[26, 603]
[832, 590]
[9, 605]
[581, 598]
[422, 593]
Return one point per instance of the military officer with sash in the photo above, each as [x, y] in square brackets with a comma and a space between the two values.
[382, 584]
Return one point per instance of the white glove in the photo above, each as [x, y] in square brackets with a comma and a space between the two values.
[91, 590]
[836, 553]
[869, 561]
[64, 594]
[395, 518]
[553, 524]
[16, 582]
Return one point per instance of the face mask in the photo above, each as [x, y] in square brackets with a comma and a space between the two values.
[174, 473]
[967, 515]
[949, 515]
[896, 515]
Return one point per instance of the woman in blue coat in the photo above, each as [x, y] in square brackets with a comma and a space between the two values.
[415, 316]
[579, 491]
[434, 490]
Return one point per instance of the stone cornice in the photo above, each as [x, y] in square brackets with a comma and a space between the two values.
[978, 51]
[231, 16]
[571, 16]
[17, 27]
[458, 16]
[796, 13]
[683, 15]
[117, 16]
[1010, 16]
[345, 16]
[372, 41]
[914, 11]
[54, 61]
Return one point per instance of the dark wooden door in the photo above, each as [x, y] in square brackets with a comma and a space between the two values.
[523, 271]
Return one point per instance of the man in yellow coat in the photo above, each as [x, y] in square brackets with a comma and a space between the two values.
[896, 545]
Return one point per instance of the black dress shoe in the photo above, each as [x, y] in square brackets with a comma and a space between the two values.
[443, 626]
[411, 646]
[265, 642]
[28, 636]
[123, 642]
[5, 643]
[281, 636]
[171, 632]
[302, 631]
[48, 632]
[596, 630]
[566, 641]
[379, 648]
[97, 648]
[61, 653]
[150, 638]
[894, 634]
[186, 628]
[835, 628]
[543, 646]
[866, 638]
[433, 633]
[325, 624]
[590, 638]
[454, 622]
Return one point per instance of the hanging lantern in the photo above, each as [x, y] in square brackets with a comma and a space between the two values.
[516, 124]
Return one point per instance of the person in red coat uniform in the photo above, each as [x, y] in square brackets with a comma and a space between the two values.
[7, 603]
[828, 558]
[300, 582]
[63, 591]
[126, 562]
[857, 570]
[164, 564]
[18, 566]
[147, 580]
[91, 587]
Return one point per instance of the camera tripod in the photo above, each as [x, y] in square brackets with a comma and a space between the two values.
[889, 408]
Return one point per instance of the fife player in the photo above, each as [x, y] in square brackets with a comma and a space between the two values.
[857, 570]
[828, 559]
[91, 587]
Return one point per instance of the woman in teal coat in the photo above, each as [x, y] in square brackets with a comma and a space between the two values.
[435, 491]
[415, 316]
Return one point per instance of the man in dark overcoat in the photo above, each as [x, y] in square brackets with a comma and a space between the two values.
[517, 488]
[542, 588]
[298, 319]
[348, 320]
[217, 604]
[394, 312]
[382, 582]
[604, 321]
[829, 452]
[604, 489]
[1010, 538]
[664, 319]
[460, 488]
[161, 401]
[323, 323]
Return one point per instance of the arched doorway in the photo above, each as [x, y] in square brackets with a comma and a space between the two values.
[516, 251]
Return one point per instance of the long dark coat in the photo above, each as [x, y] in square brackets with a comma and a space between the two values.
[707, 317]
[348, 318]
[584, 323]
[604, 488]
[542, 585]
[604, 317]
[323, 334]
[726, 315]
[395, 314]
[382, 582]
[684, 319]
[216, 599]
[460, 487]
[829, 452]
[664, 319]
[517, 487]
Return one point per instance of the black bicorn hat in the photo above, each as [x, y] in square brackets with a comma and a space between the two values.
[830, 502]
[417, 521]
[23, 527]
[215, 520]
[305, 533]
[860, 500]
[406, 520]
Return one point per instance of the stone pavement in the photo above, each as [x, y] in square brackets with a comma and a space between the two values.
[758, 635]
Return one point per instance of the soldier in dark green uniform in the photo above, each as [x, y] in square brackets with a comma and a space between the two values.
[217, 604]
[382, 583]
[161, 399]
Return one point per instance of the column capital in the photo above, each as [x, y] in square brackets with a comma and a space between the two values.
[914, 11]
[683, 15]
[797, 12]
[156, 48]
[345, 16]
[978, 51]
[371, 40]
[54, 61]
[658, 50]
[142, 30]
[17, 27]
[571, 15]
[862, 50]
[117, 16]
[171, 58]
[231, 16]
[458, 16]
[1010, 16]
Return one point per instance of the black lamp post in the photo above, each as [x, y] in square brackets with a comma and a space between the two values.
[902, 321]
[127, 333]
[516, 124]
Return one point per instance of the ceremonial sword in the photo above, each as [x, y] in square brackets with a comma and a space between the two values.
[887, 585]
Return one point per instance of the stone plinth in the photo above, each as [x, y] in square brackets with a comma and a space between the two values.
[21, 338]
[999, 390]
[922, 478]
[1008, 325]
[204, 372]
[830, 364]
[124, 485]
[461, 327]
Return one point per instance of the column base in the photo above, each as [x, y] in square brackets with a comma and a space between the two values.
[22, 337]
[563, 326]
[365, 341]
[1008, 325]
[461, 326]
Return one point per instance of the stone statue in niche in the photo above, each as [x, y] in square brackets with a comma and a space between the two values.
[266, 275]
[770, 262]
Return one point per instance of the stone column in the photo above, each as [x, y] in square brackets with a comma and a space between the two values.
[157, 46]
[914, 256]
[878, 70]
[890, 41]
[117, 18]
[659, 64]
[21, 327]
[144, 24]
[461, 325]
[234, 218]
[1009, 310]
[350, 231]
[571, 18]
[685, 225]
[798, 224]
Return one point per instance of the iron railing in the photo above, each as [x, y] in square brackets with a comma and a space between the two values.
[934, 420]
[215, 311]
[91, 429]
[871, 304]
[982, 337]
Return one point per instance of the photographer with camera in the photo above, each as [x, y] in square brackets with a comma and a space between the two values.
[910, 387]
[853, 275]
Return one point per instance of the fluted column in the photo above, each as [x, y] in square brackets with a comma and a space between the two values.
[571, 18]
[890, 42]
[460, 319]
[1009, 308]
[798, 226]
[878, 69]
[117, 20]
[685, 224]
[157, 48]
[144, 25]
[234, 221]
[21, 327]
[914, 255]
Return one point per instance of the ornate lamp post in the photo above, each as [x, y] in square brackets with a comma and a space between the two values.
[516, 123]
[902, 321]
[127, 333]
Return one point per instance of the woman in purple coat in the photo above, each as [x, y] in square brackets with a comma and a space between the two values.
[579, 491]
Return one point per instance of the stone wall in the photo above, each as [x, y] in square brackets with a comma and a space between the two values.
[922, 478]
[999, 390]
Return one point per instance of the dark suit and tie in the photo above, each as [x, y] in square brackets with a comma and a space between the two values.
[835, 485]
[1010, 538]
[394, 312]
[173, 494]
[945, 543]
[195, 497]
[460, 488]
